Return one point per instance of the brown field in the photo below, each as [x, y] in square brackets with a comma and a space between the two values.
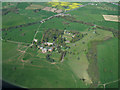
[34, 7]
[111, 18]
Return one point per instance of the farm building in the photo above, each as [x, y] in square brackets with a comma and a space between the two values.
[44, 50]
[41, 47]
[50, 49]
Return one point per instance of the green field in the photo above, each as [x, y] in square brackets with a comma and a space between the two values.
[93, 14]
[90, 60]
[24, 17]
[40, 73]
[62, 24]
[24, 34]
[108, 61]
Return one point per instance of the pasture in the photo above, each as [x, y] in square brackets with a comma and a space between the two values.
[62, 24]
[76, 56]
[24, 34]
[92, 14]
[36, 72]
[24, 17]
[108, 61]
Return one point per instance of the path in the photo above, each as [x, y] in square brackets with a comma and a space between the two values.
[108, 83]
[16, 42]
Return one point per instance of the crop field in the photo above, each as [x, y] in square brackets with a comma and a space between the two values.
[114, 18]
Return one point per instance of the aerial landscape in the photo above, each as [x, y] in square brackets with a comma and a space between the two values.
[60, 44]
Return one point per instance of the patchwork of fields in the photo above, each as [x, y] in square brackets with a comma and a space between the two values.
[82, 55]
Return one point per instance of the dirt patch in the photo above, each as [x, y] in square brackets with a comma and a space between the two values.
[114, 18]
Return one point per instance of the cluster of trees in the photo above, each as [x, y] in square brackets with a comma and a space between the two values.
[37, 10]
[48, 58]
[22, 5]
[12, 9]
[52, 35]
[77, 37]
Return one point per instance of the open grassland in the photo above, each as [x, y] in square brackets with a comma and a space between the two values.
[77, 54]
[24, 17]
[108, 61]
[92, 14]
[62, 24]
[35, 72]
[24, 34]
[8, 4]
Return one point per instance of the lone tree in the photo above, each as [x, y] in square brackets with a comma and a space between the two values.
[78, 58]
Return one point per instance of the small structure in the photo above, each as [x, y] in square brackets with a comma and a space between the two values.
[67, 41]
[35, 40]
[44, 50]
[41, 47]
[49, 43]
[50, 49]
[73, 36]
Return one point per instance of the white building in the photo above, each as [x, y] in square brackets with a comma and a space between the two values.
[44, 50]
[35, 40]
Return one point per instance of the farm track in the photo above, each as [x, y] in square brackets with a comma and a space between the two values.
[104, 85]
[17, 42]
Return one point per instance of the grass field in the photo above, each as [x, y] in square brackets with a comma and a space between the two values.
[108, 61]
[40, 72]
[62, 24]
[24, 34]
[24, 16]
[93, 14]
[90, 61]
[77, 58]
